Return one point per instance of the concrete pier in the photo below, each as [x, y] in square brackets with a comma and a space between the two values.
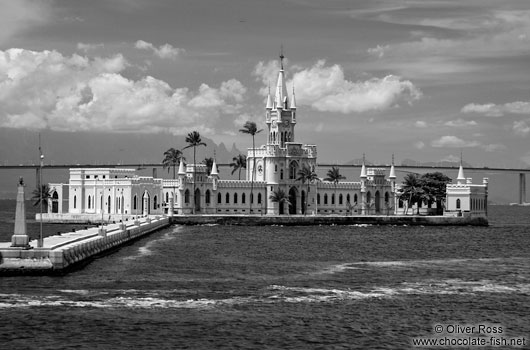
[61, 253]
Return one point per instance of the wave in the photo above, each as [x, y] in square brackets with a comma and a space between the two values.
[146, 249]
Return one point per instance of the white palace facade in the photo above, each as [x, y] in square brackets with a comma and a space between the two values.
[113, 194]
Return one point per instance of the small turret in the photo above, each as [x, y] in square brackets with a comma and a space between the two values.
[269, 100]
[392, 175]
[214, 169]
[363, 170]
[293, 100]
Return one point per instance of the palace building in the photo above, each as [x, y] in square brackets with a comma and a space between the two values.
[107, 194]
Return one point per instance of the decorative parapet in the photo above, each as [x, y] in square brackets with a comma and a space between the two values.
[224, 184]
[291, 149]
[340, 185]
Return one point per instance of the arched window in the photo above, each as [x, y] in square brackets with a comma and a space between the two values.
[187, 197]
[167, 197]
[259, 198]
[292, 170]
[252, 198]
[458, 203]
[135, 202]
[333, 199]
[235, 198]
[368, 197]
[318, 198]
[386, 197]
[400, 203]
[207, 197]
[325, 198]
[219, 198]
[89, 200]
[348, 198]
[75, 202]
[155, 202]
[355, 198]
[340, 199]
[275, 167]
[281, 174]
[227, 198]
[243, 198]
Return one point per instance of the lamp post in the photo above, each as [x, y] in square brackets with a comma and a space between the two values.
[40, 242]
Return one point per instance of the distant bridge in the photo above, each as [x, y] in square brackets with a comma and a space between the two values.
[402, 168]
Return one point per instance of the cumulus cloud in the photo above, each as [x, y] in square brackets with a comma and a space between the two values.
[460, 123]
[521, 128]
[494, 147]
[324, 88]
[48, 90]
[494, 110]
[419, 145]
[453, 142]
[87, 47]
[164, 51]
[420, 124]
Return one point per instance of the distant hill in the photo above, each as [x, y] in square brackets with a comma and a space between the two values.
[410, 162]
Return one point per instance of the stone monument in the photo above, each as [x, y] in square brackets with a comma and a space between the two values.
[20, 238]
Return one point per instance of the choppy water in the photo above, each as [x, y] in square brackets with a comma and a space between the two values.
[210, 287]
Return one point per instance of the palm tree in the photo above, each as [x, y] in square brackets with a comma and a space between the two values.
[208, 161]
[42, 196]
[194, 139]
[306, 174]
[172, 158]
[334, 176]
[250, 128]
[412, 190]
[239, 162]
[279, 196]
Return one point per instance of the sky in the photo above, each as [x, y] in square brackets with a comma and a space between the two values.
[427, 80]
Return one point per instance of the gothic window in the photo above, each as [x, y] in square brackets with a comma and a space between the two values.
[155, 202]
[386, 197]
[355, 198]
[318, 198]
[135, 202]
[167, 197]
[235, 198]
[75, 201]
[292, 170]
[207, 197]
[252, 198]
[281, 174]
[457, 203]
[227, 198]
[89, 198]
[348, 198]
[259, 198]
[219, 198]
[333, 199]
[340, 199]
[243, 198]
[325, 198]
[275, 167]
[187, 196]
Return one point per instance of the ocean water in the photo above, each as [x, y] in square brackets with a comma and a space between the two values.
[326, 287]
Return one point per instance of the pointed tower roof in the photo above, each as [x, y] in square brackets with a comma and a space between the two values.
[280, 97]
[293, 100]
[392, 170]
[182, 170]
[269, 99]
[461, 178]
[363, 169]
[214, 169]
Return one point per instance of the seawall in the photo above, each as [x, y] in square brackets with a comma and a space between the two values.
[61, 253]
[297, 220]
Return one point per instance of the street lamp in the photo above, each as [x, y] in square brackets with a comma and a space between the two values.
[40, 242]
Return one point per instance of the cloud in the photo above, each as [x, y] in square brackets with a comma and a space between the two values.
[20, 15]
[453, 142]
[419, 145]
[378, 51]
[526, 158]
[165, 51]
[460, 123]
[87, 47]
[494, 147]
[494, 110]
[420, 124]
[324, 88]
[521, 128]
[48, 90]
[450, 158]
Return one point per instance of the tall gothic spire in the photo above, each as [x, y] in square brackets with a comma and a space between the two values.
[281, 99]
[461, 178]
